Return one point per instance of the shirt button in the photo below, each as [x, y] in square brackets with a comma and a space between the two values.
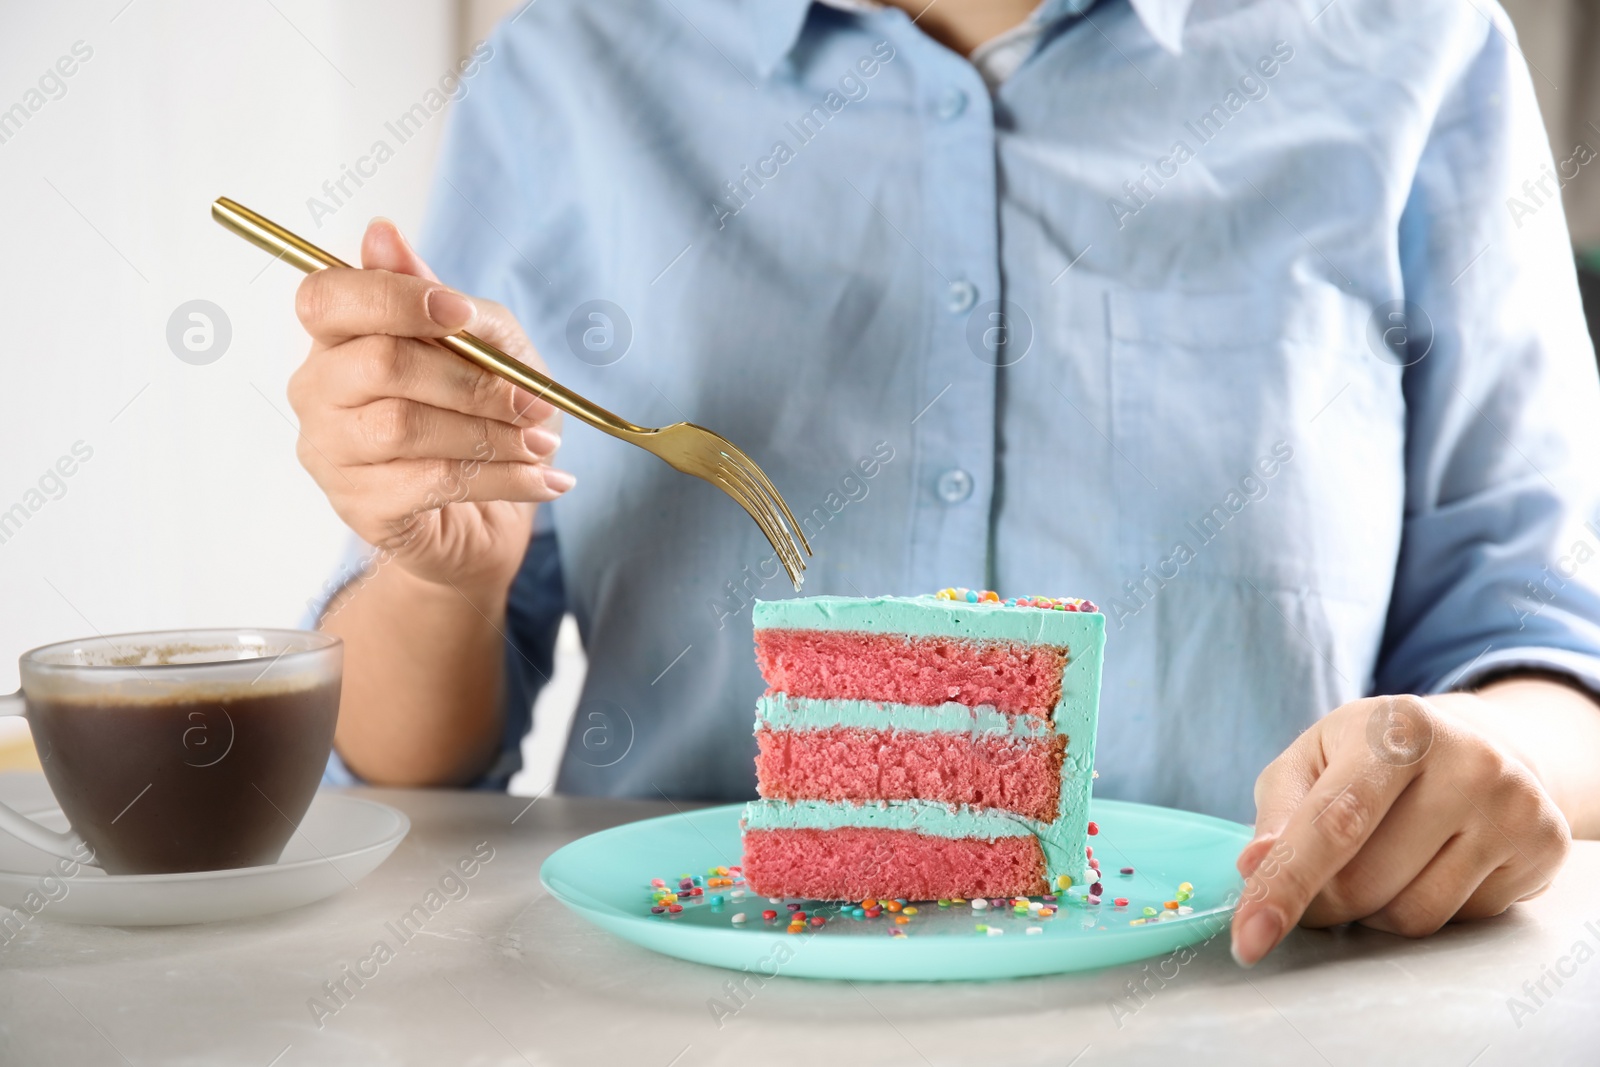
[951, 104]
[954, 485]
[960, 297]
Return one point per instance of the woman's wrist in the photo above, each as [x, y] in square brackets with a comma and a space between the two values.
[483, 589]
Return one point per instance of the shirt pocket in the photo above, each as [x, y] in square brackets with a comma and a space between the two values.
[1267, 440]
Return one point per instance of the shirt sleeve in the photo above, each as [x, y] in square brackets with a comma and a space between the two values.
[534, 608]
[1498, 559]
[356, 564]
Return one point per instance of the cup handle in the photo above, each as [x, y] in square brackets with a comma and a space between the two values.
[67, 846]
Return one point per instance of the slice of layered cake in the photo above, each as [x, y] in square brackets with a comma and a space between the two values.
[922, 747]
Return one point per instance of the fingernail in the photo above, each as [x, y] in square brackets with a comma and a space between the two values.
[399, 234]
[450, 309]
[521, 401]
[391, 233]
[560, 481]
[540, 441]
[1256, 936]
[1251, 855]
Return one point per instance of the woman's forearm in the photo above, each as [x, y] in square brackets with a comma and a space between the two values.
[422, 676]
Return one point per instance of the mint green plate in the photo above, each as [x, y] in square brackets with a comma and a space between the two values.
[605, 877]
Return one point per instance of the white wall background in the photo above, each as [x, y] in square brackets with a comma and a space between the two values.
[192, 510]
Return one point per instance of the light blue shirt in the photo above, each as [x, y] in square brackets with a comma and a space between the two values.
[1199, 404]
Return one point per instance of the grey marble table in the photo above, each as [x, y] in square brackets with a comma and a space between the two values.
[506, 975]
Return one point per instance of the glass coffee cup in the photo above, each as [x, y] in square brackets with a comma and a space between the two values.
[181, 750]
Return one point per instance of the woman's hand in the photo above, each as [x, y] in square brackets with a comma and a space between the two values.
[1400, 813]
[424, 455]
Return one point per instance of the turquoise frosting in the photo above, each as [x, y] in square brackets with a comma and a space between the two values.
[918, 816]
[780, 711]
[929, 616]
[1076, 715]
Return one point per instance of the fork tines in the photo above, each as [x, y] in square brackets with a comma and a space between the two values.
[741, 479]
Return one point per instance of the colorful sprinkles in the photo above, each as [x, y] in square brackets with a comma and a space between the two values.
[989, 596]
[670, 896]
[1170, 909]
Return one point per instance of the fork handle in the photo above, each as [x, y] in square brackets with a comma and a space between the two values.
[297, 251]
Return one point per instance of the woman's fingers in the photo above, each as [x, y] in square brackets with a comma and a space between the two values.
[343, 302]
[1327, 828]
[1511, 882]
[366, 324]
[384, 502]
[1452, 877]
[1280, 789]
[384, 247]
[397, 428]
[433, 483]
[368, 306]
[1418, 824]
[366, 369]
[1481, 872]
[1469, 804]
[1411, 819]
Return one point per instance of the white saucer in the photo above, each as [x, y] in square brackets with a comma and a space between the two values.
[341, 840]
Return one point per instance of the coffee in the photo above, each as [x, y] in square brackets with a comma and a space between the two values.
[196, 783]
[185, 750]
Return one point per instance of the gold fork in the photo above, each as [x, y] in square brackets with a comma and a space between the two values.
[684, 446]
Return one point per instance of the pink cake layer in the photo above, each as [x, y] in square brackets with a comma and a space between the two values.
[854, 863]
[1016, 774]
[1019, 679]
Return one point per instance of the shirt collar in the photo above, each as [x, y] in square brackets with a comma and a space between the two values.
[776, 24]
[774, 28]
[1163, 20]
